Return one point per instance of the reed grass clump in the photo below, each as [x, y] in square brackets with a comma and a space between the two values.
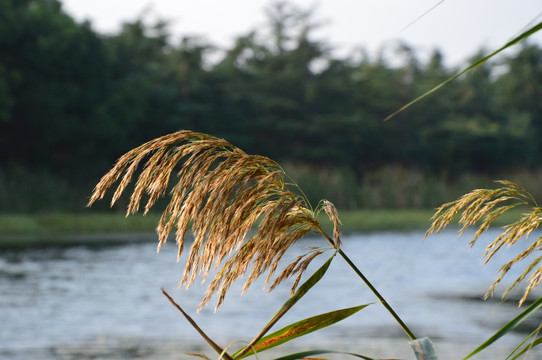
[241, 211]
[244, 215]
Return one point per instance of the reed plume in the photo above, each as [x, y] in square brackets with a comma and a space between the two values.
[480, 208]
[242, 215]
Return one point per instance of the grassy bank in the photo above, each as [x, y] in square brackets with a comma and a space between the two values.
[390, 187]
[94, 223]
[63, 229]
[42, 229]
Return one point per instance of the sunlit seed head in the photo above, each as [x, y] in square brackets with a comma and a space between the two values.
[241, 215]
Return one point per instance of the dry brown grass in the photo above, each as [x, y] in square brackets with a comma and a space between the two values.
[480, 208]
[241, 213]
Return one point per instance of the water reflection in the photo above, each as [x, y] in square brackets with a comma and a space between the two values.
[85, 295]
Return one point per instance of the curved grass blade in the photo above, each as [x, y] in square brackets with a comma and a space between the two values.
[421, 16]
[201, 356]
[303, 289]
[377, 294]
[214, 345]
[300, 292]
[304, 354]
[508, 327]
[527, 348]
[534, 333]
[512, 42]
[303, 327]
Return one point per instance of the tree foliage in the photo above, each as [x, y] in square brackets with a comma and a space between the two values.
[72, 100]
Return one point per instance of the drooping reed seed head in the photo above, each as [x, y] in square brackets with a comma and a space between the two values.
[481, 207]
[242, 215]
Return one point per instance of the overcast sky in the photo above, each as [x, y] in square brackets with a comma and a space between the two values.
[457, 27]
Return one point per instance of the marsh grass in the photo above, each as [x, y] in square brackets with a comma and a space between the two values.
[392, 187]
[24, 190]
[243, 215]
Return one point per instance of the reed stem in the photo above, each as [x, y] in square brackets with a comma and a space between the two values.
[378, 295]
[369, 285]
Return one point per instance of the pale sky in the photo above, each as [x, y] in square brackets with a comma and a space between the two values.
[457, 27]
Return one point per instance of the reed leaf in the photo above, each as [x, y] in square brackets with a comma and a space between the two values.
[480, 208]
[433, 7]
[304, 354]
[304, 327]
[537, 341]
[292, 300]
[526, 349]
[474, 65]
[241, 213]
[201, 356]
[535, 306]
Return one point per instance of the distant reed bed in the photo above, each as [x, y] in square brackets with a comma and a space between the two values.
[390, 187]
[396, 187]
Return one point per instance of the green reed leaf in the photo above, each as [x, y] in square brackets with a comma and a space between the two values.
[303, 289]
[300, 292]
[304, 327]
[421, 16]
[528, 347]
[512, 42]
[508, 327]
[201, 356]
[304, 354]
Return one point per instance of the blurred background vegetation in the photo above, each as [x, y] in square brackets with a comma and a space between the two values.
[73, 100]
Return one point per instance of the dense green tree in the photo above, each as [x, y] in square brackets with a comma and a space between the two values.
[274, 81]
[519, 90]
[72, 100]
[54, 78]
[145, 84]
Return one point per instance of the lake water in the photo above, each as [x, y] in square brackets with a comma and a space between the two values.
[74, 302]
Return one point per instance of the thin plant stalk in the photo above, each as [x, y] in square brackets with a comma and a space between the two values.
[215, 346]
[371, 287]
[360, 275]
[300, 292]
[378, 295]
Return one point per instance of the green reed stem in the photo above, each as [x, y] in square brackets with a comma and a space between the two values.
[369, 285]
[377, 294]
[215, 346]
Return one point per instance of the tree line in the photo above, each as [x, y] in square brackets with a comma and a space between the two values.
[72, 100]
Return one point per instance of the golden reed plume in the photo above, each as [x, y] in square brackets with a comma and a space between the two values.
[242, 215]
[480, 208]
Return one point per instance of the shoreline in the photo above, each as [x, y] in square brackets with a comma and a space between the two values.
[58, 229]
[65, 228]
